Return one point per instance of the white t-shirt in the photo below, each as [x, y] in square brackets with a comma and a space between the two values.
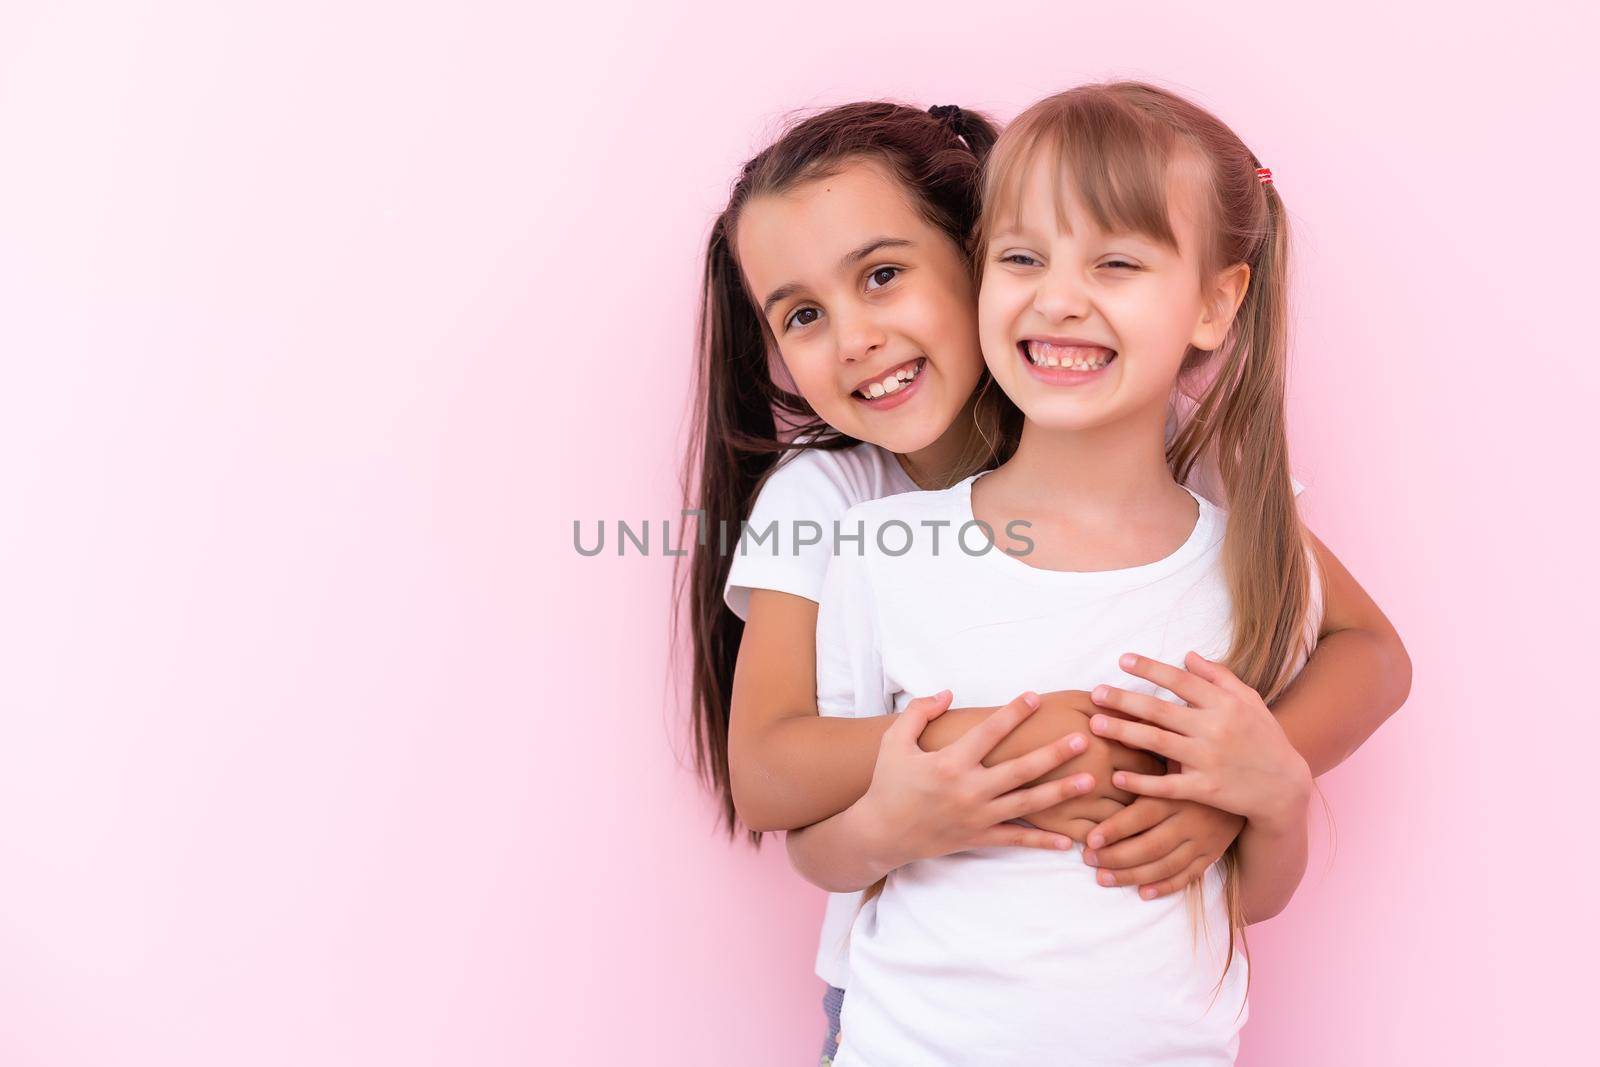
[807, 494]
[810, 490]
[1015, 955]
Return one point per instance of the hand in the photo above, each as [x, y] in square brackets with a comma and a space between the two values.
[927, 804]
[1160, 845]
[1231, 753]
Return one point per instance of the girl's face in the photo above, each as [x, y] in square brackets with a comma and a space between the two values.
[1082, 327]
[871, 305]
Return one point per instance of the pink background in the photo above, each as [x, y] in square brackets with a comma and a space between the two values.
[321, 323]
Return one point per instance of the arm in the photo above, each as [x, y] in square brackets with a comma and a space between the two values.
[1357, 676]
[923, 804]
[843, 852]
[789, 766]
[1272, 851]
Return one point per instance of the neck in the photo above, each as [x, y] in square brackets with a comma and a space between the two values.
[1110, 468]
[949, 459]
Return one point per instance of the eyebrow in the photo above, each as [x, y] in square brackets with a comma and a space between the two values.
[849, 259]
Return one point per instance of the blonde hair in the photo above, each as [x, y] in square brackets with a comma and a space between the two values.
[1116, 144]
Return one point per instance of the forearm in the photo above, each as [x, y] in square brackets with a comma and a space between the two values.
[801, 769]
[842, 853]
[1353, 682]
[1272, 862]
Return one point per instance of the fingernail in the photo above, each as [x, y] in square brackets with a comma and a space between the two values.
[1086, 783]
[1064, 844]
[1090, 858]
[1077, 744]
[1100, 693]
[1119, 779]
[1031, 699]
[1147, 892]
[1098, 723]
[1106, 878]
[1096, 839]
[1128, 660]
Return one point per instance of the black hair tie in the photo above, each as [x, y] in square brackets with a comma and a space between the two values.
[950, 113]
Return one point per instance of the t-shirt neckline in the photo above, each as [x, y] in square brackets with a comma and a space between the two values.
[1202, 537]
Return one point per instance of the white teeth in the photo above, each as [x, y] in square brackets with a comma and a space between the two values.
[893, 383]
[1042, 354]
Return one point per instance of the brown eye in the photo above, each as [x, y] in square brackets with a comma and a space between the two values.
[882, 276]
[802, 317]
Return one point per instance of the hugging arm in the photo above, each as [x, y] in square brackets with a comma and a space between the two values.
[1358, 675]
[791, 767]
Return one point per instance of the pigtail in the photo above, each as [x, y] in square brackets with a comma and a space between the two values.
[732, 448]
[1241, 422]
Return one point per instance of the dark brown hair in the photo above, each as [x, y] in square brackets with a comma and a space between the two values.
[744, 420]
[1115, 144]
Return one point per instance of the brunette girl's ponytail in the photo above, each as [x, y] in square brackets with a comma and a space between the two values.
[728, 410]
[979, 133]
[744, 421]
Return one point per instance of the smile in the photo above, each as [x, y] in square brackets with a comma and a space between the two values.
[1065, 361]
[892, 389]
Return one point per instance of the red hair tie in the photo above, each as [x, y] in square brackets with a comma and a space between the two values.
[1263, 175]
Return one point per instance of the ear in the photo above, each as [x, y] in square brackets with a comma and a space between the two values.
[1222, 299]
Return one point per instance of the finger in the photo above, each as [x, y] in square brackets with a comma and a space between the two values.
[1013, 836]
[1134, 818]
[1146, 706]
[1216, 673]
[918, 714]
[1023, 802]
[1138, 849]
[1168, 786]
[1165, 867]
[1141, 735]
[1004, 777]
[977, 742]
[1194, 690]
[1193, 872]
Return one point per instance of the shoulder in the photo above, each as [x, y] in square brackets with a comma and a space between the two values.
[912, 506]
[902, 527]
[831, 480]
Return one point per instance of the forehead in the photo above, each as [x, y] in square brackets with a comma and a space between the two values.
[1046, 191]
[782, 237]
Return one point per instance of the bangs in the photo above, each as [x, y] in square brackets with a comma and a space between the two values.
[1112, 157]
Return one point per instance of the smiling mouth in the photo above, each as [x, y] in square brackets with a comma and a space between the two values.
[1085, 359]
[898, 378]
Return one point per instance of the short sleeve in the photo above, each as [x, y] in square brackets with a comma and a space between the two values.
[850, 675]
[786, 543]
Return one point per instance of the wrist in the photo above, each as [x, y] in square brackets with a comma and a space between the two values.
[1287, 811]
[880, 848]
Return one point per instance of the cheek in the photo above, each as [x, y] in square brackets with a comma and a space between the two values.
[811, 378]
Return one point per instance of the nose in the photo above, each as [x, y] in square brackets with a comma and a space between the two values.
[1061, 296]
[860, 336]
